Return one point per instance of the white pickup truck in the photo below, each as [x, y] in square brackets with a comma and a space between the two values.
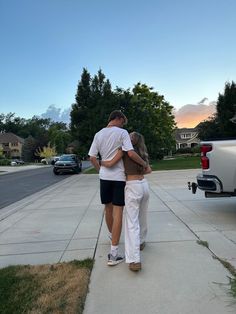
[218, 177]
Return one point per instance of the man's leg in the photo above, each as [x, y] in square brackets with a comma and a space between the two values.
[118, 198]
[114, 257]
[106, 191]
[117, 224]
[109, 216]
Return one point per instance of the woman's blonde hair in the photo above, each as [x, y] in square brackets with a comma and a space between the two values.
[139, 145]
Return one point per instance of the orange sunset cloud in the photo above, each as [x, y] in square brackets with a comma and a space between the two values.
[190, 116]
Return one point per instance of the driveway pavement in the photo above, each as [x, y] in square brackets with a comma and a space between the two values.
[179, 276]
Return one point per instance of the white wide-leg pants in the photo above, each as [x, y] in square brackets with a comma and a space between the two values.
[135, 218]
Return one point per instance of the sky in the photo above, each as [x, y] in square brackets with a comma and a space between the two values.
[185, 49]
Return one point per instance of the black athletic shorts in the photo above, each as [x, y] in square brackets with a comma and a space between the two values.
[112, 192]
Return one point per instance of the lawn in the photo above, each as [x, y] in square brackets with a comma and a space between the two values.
[177, 163]
[58, 288]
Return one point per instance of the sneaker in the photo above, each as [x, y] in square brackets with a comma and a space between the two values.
[135, 266]
[114, 260]
[142, 246]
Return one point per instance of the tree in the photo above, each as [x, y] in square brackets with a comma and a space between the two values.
[28, 149]
[226, 109]
[10, 123]
[91, 109]
[37, 128]
[220, 125]
[208, 129]
[147, 111]
[79, 112]
[151, 115]
[2, 124]
[1, 153]
[59, 136]
[46, 152]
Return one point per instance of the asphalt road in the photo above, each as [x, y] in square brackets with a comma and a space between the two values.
[18, 185]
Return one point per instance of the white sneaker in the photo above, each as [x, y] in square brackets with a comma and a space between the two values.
[114, 260]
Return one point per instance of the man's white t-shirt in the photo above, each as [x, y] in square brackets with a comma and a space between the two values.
[106, 142]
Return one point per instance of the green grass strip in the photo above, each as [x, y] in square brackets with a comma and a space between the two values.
[177, 163]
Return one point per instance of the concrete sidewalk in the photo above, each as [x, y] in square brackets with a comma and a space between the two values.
[65, 222]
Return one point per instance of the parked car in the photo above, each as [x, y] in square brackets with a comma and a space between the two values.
[16, 162]
[68, 163]
[45, 161]
[54, 159]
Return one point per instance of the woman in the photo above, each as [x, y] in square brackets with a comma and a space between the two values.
[136, 200]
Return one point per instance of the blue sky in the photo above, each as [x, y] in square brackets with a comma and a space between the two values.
[185, 49]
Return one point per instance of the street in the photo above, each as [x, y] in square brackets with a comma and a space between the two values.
[17, 185]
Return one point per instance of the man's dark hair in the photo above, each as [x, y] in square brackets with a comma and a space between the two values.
[117, 114]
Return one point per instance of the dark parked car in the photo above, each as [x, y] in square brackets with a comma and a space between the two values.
[68, 163]
[54, 159]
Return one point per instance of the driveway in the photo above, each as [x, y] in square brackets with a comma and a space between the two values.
[65, 222]
[211, 219]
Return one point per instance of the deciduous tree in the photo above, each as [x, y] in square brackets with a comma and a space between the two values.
[151, 115]
[28, 149]
[46, 152]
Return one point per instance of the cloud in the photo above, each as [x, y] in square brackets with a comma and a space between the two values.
[57, 115]
[189, 115]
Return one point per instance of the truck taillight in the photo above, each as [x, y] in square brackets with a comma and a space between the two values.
[205, 148]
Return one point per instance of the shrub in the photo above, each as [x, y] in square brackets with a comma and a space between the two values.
[5, 162]
[196, 149]
[184, 150]
[189, 150]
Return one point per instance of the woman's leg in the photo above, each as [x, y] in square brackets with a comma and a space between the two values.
[133, 195]
[143, 212]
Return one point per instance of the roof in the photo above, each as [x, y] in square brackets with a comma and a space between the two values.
[10, 138]
[73, 144]
[184, 130]
[178, 132]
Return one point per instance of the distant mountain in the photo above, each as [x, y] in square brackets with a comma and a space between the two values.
[190, 115]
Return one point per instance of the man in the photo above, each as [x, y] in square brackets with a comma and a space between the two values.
[112, 180]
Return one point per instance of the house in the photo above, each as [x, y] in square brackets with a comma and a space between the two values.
[72, 147]
[11, 145]
[186, 137]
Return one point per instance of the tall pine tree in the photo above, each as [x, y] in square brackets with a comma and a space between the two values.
[221, 125]
[226, 110]
[94, 102]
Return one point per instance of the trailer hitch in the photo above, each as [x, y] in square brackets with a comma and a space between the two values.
[192, 186]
